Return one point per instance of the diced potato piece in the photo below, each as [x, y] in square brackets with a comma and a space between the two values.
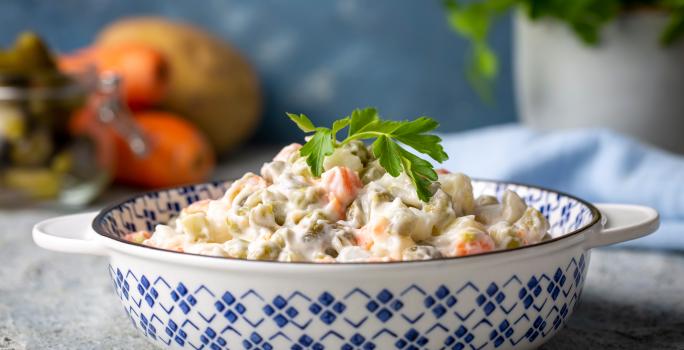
[342, 157]
[459, 187]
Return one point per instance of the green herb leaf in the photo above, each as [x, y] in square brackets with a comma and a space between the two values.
[365, 124]
[361, 118]
[392, 156]
[421, 172]
[426, 144]
[388, 154]
[302, 121]
[339, 125]
[395, 159]
[316, 149]
[416, 126]
[674, 28]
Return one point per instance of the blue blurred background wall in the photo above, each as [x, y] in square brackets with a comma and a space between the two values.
[322, 58]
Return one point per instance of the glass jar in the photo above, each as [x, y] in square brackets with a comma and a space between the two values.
[57, 136]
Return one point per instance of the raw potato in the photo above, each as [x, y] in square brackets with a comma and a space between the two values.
[210, 83]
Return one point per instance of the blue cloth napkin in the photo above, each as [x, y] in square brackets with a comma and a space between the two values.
[597, 165]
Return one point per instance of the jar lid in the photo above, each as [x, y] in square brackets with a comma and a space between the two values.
[16, 86]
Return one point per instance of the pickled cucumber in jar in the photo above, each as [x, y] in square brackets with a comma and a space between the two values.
[39, 157]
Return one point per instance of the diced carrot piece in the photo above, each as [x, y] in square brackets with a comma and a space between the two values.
[482, 243]
[342, 184]
[363, 239]
[138, 236]
[380, 226]
[367, 235]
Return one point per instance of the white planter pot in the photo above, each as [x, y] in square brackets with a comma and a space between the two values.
[628, 83]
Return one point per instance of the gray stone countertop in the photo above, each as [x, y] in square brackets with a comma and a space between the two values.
[633, 299]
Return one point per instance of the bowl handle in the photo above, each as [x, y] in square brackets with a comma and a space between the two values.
[623, 222]
[68, 234]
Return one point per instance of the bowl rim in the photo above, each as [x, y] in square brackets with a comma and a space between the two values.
[97, 226]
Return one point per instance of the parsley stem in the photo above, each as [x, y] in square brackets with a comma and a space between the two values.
[364, 135]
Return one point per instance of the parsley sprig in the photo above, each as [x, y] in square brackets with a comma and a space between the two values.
[389, 135]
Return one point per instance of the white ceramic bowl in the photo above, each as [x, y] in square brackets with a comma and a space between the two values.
[514, 299]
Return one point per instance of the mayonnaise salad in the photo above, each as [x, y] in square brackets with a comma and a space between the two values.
[355, 212]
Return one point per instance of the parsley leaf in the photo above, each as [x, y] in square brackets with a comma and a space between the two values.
[302, 121]
[362, 117]
[387, 153]
[339, 125]
[388, 136]
[421, 173]
[317, 148]
[413, 135]
[395, 159]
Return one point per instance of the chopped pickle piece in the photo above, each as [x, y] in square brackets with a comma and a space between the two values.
[37, 183]
[33, 150]
[12, 124]
[62, 162]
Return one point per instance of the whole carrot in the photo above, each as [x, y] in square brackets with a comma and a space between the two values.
[143, 70]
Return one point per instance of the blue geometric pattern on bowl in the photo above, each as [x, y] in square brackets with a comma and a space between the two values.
[565, 214]
[506, 312]
[146, 211]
